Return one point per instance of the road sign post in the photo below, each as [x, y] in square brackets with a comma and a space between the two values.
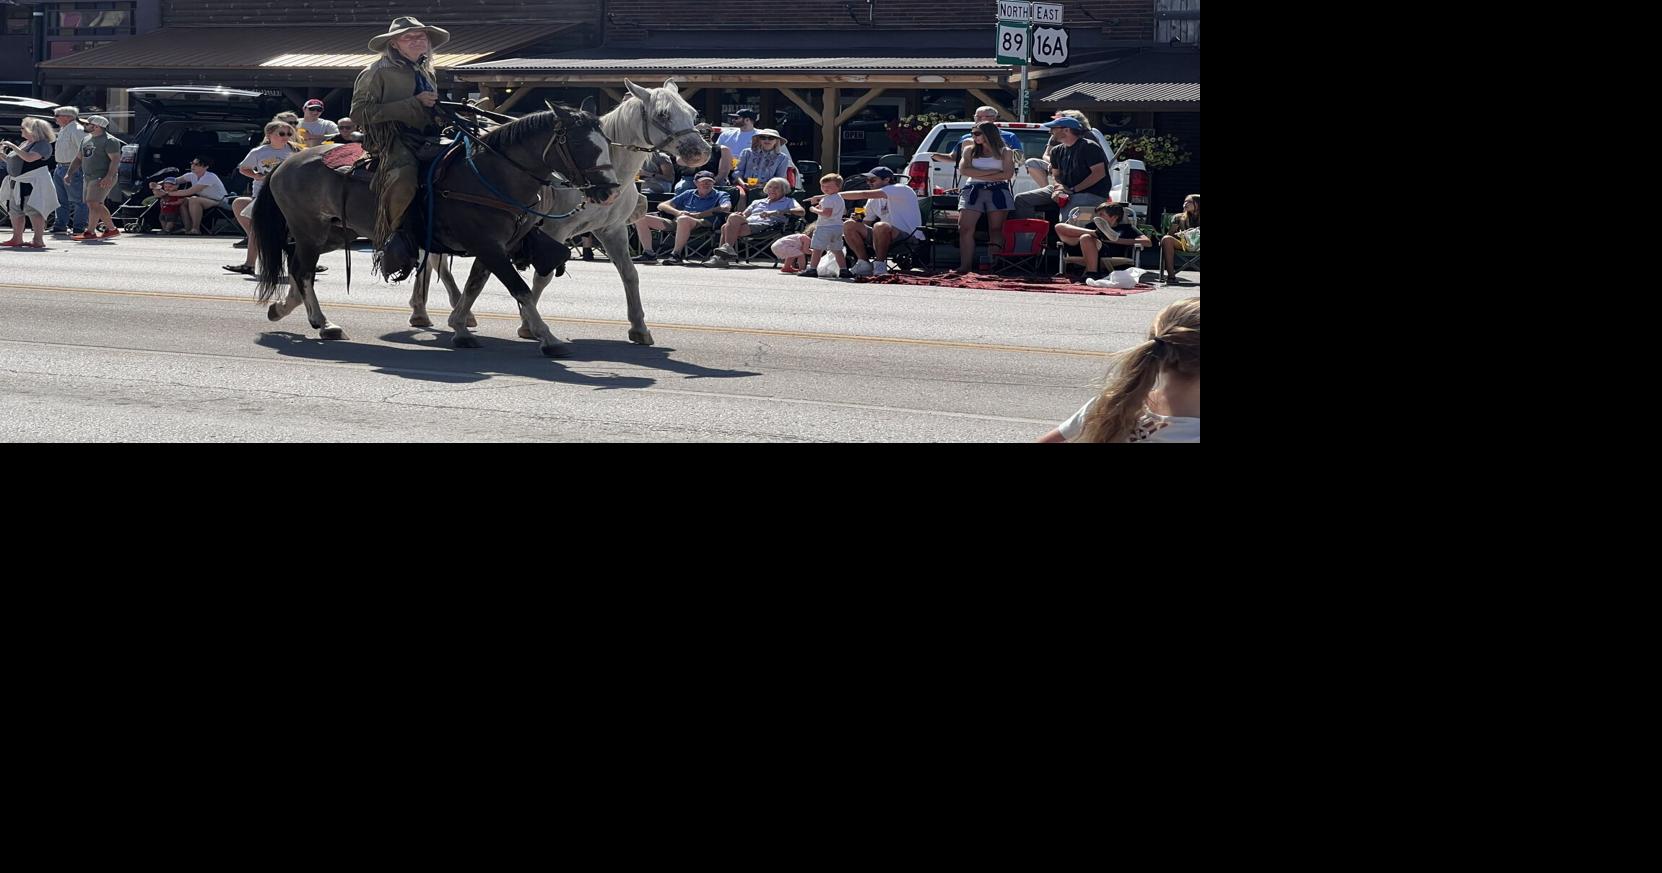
[1015, 42]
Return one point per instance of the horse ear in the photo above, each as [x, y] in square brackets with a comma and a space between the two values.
[590, 105]
[640, 93]
[670, 84]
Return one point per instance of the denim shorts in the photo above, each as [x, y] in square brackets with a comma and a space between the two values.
[985, 197]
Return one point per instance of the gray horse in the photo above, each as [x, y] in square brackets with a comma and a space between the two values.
[483, 206]
[653, 120]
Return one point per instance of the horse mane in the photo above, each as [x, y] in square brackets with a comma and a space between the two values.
[534, 125]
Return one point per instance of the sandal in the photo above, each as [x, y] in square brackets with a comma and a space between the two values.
[244, 269]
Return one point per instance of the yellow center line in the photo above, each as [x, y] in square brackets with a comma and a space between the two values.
[749, 331]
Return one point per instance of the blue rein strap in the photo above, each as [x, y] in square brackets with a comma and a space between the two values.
[427, 250]
[467, 149]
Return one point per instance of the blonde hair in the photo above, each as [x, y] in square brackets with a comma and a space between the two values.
[276, 125]
[1172, 348]
[288, 118]
[42, 129]
[832, 177]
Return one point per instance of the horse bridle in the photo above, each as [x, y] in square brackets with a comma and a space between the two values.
[558, 138]
[648, 118]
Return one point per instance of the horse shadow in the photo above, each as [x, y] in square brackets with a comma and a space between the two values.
[495, 357]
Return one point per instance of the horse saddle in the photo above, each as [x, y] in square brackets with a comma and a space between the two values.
[350, 159]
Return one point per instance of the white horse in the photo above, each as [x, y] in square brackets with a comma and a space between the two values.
[649, 120]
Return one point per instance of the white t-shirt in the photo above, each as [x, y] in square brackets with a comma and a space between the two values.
[214, 189]
[736, 140]
[263, 160]
[838, 206]
[1150, 428]
[319, 130]
[899, 208]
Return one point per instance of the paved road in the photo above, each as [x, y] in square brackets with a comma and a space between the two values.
[146, 338]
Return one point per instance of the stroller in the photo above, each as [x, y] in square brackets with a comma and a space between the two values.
[141, 213]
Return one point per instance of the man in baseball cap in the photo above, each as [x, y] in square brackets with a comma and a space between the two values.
[1078, 174]
[98, 162]
[316, 127]
[701, 205]
[71, 217]
[895, 219]
[737, 138]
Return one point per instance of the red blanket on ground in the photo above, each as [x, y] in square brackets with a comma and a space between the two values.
[1041, 284]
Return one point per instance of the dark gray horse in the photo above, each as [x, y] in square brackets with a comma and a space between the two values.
[655, 119]
[483, 207]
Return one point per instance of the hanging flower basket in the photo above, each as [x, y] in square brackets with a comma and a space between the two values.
[1158, 152]
[908, 133]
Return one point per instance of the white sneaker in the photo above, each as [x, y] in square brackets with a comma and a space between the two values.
[880, 268]
[862, 268]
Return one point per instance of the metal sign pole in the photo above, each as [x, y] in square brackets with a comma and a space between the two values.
[1023, 115]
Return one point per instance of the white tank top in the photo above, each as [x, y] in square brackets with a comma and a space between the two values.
[987, 163]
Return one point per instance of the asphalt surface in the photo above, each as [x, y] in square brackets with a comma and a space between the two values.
[145, 338]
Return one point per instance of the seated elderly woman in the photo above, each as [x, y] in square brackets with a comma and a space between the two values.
[760, 217]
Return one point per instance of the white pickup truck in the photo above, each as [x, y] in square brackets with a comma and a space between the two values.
[1127, 180]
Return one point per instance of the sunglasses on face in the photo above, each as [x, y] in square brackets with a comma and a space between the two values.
[283, 133]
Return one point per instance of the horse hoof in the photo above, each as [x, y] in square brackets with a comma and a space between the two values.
[525, 333]
[472, 322]
[332, 333]
[467, 342]
[557, 350]
[641, 337]
[420, 321]
[272, 314]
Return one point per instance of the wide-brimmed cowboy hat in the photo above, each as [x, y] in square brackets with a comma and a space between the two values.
[438, 35]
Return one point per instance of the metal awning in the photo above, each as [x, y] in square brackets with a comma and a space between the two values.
[1152, 80]
[274, 53]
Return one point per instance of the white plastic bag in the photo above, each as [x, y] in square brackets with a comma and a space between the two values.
[827, 268]
[1124, 280]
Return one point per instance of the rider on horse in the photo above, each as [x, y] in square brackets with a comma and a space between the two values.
[393, 103]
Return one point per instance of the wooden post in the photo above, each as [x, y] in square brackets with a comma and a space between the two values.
[828, 132]
[855, 107]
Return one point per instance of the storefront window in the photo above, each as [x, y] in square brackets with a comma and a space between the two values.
[91, 19]
[17, 21]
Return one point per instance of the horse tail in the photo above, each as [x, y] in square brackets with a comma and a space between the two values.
[271, 234]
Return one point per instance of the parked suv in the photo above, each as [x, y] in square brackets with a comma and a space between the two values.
[14, 109]
[1128, 180]
[220, 124]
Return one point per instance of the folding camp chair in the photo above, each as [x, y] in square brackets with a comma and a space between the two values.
[762, 241]
[1024, 246]
[1181, 260]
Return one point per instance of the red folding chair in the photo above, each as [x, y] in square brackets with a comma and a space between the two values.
[1024, 246]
